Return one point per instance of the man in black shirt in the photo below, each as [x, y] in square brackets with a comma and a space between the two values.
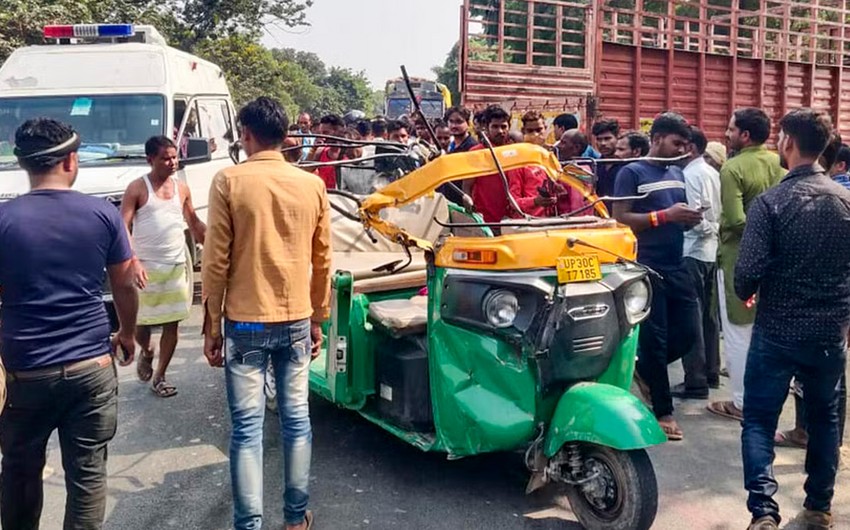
[795, 254]
[605, 132]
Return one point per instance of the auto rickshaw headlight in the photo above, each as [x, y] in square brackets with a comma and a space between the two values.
[636, 301]
[501, 308]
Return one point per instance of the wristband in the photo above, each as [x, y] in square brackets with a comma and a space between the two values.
[653, 219]
[662, 217]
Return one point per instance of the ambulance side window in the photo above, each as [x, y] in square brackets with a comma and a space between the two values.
[215, 123]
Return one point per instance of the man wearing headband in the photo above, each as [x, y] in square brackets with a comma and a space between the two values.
[54, 246]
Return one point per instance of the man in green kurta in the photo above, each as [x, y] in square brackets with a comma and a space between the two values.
[745, 176]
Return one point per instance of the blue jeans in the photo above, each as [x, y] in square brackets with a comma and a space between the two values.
[249, 346]
[770, 366]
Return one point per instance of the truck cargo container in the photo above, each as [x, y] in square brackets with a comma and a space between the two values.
[630, 59]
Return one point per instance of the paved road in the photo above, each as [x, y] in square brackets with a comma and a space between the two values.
[168, 467]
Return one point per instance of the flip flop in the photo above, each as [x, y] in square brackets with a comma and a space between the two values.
[786, 439]
[164, 389]
[673, 432]
[726, 409]
[144, 366]
[308, 518]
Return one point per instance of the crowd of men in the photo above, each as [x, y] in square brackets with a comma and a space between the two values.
[690, 201]
[744, 239]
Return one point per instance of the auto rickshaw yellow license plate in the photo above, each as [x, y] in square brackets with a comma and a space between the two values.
[578, 269]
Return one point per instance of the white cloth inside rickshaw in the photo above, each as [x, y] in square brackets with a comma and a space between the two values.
[408, 316]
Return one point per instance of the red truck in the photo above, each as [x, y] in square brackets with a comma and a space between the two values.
[631, 59]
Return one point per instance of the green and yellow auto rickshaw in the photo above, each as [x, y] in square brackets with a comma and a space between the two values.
[459, 341]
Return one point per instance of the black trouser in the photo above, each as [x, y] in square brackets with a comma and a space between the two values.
[800, 408]
[771, 363]
[704, 276]
[671, 332]
[83, 406]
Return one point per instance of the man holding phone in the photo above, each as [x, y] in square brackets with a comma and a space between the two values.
[702, 187]
[659, 220]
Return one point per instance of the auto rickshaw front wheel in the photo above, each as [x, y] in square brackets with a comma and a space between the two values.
[618, 492]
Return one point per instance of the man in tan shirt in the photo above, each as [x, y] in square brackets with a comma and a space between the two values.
[266, 273]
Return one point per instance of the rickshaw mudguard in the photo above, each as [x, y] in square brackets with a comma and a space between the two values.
[604, 415]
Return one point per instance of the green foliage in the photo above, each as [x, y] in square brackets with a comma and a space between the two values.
[226, 32]
[448, 73]
[252, 70]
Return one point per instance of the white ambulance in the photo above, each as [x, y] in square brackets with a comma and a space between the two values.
[118, 85]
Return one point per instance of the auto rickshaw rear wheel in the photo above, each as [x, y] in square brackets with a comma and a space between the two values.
[619, 493]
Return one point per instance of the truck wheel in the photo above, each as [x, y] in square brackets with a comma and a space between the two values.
[624, 494]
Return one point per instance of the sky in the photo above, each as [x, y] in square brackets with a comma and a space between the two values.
[376, 36]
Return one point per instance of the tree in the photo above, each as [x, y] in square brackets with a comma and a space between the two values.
[217, 18]
[448, 73]
[311, 63]
[185, 23]
[226, 32]
[252, 70]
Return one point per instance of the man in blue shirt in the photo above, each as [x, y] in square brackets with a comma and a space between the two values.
[660, 219]
[54, 246]
[840, 171]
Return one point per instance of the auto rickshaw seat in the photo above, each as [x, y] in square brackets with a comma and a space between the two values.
[401, 317]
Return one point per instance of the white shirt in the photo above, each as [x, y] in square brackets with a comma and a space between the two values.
[702, 186]
[158, 228]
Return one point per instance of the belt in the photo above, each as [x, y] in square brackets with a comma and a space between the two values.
[101, 361]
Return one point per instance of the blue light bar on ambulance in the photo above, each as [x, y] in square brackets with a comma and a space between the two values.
[68, 31]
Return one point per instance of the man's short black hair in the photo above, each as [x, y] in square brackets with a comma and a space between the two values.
[333, 120]
[754, 121]
[155, 143]
[379, 127]
[668, 123]
[440, 124]
[495, 112]
[566, 122]
[397, 125]
[637, 142]
[810, 129]
[364, 127]
[266, 120]
[843, 155]
[458, 109]
[606, 126]
[698, 139]
[39, 134]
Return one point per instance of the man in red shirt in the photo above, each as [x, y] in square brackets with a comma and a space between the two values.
[488, 192]
[330, 125]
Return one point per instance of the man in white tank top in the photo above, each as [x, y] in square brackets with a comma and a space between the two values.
[156, 208]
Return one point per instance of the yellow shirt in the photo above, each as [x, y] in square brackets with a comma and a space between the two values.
[267, 254]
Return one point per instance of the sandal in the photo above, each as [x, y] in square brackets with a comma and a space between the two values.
[727, 409]
[164, 389]
[308, 518]
[672, 430]
[788, 439]
[144, 365]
